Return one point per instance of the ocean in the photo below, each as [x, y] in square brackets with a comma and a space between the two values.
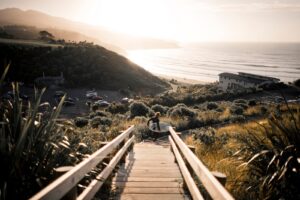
[203, 62]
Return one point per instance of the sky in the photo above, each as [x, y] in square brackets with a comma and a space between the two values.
[182, 20]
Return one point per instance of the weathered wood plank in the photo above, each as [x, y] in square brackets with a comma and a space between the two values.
[147, 179]
[150, 170]
[154, 197]
[212, 185]
[130, 190]
[153, 175]
[148, 184]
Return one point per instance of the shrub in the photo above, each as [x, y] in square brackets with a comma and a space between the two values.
[140, 119]
[212, 105]
[159, 108]
[81, 122]
[238, 101]
[297, 82]
[206, 136]
[237, 118]
[237, 110]
[263, 110]
[244, 106]
[96, 121]
[190, 123]
[182, 112]
[252, 102]
[31, 146]
[273, 160]
[115, 108]
[98, 113]
[220, 110]
[138, 109]
[95, 107]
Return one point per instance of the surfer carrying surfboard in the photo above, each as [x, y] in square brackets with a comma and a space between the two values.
[155, 124]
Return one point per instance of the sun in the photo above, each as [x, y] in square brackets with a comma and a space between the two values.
[135, 17]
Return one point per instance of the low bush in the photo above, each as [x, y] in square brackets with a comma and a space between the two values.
[160, 108]
[237, 118]
[212, 105]
[237, 110]
[252, 102]
[98, 113]
[81, 122]
[263, 110]
[242, 101]
[142, 132]
[205, 136]
[182, 112]
[138, 109]
[115, 108]
[96, 121]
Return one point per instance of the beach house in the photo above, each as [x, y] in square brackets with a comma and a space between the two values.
[243, 81]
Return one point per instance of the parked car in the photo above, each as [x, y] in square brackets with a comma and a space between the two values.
[95, 98]
[69, 103]
[90, 94]
[125, 100]
[102, 103]
[59, 93]
[279, 99]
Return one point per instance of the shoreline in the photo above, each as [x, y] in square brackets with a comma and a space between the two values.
[183, 80]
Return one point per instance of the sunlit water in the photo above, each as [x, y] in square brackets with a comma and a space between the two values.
[204, 62]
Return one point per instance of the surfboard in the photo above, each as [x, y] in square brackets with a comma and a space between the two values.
[164, 127]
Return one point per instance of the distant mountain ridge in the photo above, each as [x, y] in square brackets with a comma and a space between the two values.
[15, 16]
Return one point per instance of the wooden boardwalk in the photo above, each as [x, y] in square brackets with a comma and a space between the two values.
[149, 173]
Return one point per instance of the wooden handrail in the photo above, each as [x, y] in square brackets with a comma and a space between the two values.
[95, 185]
[58, 188]
[185, 173]
[212, 185]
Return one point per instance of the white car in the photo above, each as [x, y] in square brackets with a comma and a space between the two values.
[91, 94]
[102, 103]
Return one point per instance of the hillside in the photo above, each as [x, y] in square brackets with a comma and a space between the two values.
[32, 33]
[84, 66]
[14, 16]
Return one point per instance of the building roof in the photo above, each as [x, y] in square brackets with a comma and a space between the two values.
[242, 78]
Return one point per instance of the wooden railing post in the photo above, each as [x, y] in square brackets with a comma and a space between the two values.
[72, 194]
[220, 176]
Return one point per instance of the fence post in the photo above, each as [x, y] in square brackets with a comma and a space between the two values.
[220, 176]
[72, 194]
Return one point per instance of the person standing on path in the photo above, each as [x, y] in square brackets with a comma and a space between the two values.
[155, 124]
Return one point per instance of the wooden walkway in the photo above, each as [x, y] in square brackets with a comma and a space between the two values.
[149, 173]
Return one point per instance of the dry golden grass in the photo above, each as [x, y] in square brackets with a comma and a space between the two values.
[254, 110]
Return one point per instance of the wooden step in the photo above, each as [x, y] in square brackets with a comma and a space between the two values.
[153, 184]
[154, 197]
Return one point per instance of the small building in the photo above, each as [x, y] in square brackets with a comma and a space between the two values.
[50, 81]
[243, 81]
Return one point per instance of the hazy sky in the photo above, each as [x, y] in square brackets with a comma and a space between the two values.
[182, 20]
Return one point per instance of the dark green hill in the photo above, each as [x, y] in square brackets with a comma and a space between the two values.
[83, 65]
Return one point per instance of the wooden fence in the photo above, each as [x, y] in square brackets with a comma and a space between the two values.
[183, 153]
[61, 186]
